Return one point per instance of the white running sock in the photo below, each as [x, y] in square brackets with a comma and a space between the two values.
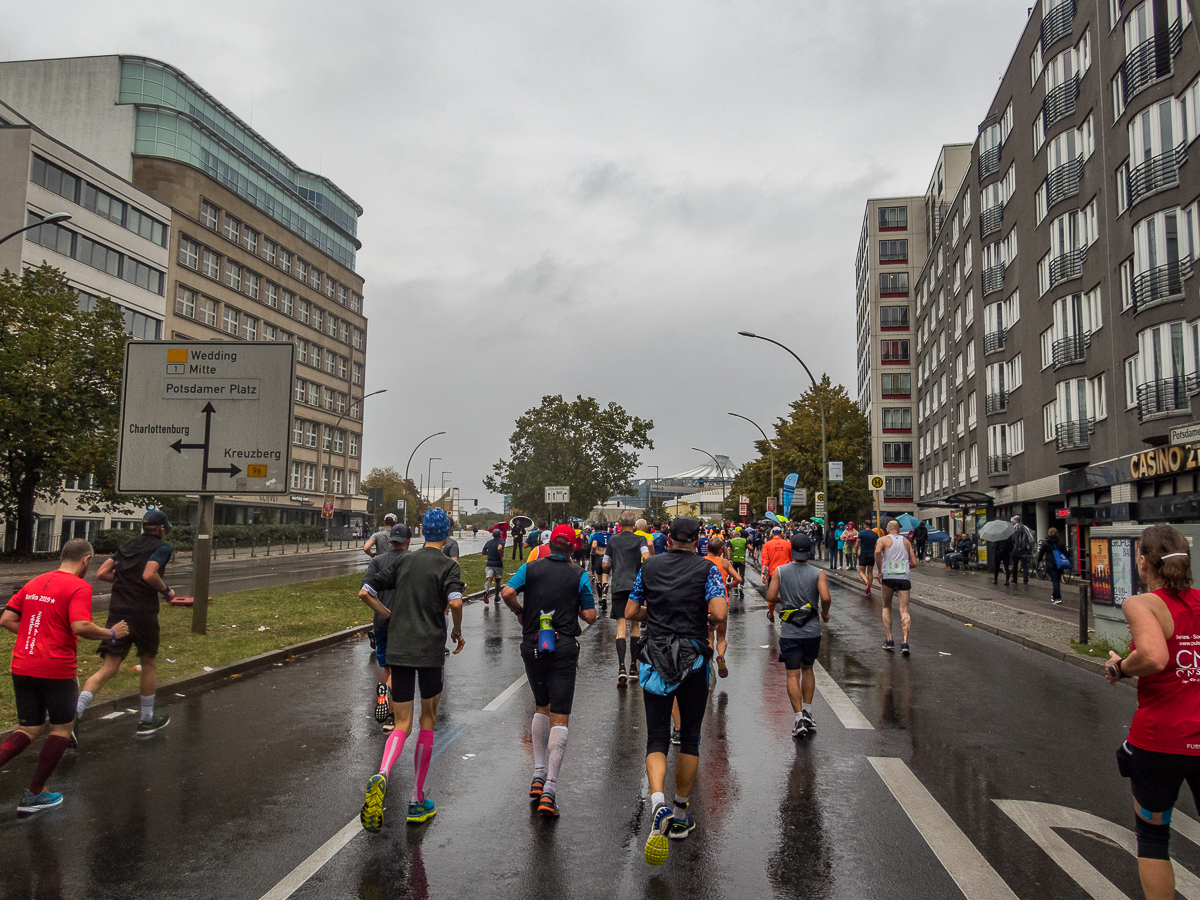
[807, 707]
[540, 734]
[798, 715]
[147, 707]
[84, 701]
[558, 749]
[658, 798]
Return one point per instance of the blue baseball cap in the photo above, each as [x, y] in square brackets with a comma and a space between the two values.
[436, 524]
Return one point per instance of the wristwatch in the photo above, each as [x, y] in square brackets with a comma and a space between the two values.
[1115, 670]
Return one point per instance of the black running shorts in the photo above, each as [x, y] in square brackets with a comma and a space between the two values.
[799, 653]
[143, 634]
[552, 677]
[406, 678]
[38, 697]
[597, 563]
[618, 601]
[898, 584]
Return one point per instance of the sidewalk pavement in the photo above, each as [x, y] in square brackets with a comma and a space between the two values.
[1017, 612]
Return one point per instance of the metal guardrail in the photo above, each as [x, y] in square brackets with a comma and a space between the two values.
[1071, 349]
[1156, 173]
[993, 341]
[1149, 61]
[1067, 266]
[1058, 23]
[1060, 102]
[1161, 284]
[993, 279]
[1165, 397]
[1063, 182]
[990, 220]
[998, 465]
[989, 162]
[1074, 435]
[995, 403]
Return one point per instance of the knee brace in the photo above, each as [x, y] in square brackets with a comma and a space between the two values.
[1152, 840]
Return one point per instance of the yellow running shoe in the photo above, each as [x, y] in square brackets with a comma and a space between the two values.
[372, 810]
[657, 845]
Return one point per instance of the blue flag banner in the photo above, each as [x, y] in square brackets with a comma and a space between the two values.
[789, 488]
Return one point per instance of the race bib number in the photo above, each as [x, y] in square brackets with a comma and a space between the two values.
[894, 567]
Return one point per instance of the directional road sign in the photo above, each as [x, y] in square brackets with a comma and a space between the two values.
[836, 470]
[560, 494]
[801, 497]
[205, 417]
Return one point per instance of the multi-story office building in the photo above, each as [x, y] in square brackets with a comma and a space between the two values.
[1057, 319]
[114, 245]
[892, 247]
[260, 250]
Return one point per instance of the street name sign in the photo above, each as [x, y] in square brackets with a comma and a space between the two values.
[1185, 434]
[801, 497]
[205, 417]
[561, 494]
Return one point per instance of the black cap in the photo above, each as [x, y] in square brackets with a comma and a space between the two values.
[400, 534]
[801, 546]
[684, 529]
[155, 517]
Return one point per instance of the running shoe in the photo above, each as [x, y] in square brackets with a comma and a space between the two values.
[807, 718]
[904, 648]
[722, 669]
[390, 724]
[34, 803]
[1056, 601]
[800, 729]
[371, 638]
[657, 846]
[73, 740]
[371, 816]
[548, 807]
[421, 812]
[681, 828]
[622, 676]
[675, 737]
[889, 645]
[158, 723]
[535, 789]
[381, 704]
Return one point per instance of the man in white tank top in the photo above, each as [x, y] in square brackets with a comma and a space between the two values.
[894, 558]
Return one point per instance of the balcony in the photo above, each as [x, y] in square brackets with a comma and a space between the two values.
[1166, 397]
[1074, 435]
[1071, 349]
[1160, 285]
[1058, 24]
[993, 341]
[990, 220]
[1149, 61]
[1156, 173]
[998, 465]
[1060, 102]
[989, 162]
[1063, 182]
[994, 404]
[993, 279]
[1067, 266]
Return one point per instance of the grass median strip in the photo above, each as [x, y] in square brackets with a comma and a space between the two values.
[240, 625]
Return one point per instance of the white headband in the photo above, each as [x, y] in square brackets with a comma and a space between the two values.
[1169, 555]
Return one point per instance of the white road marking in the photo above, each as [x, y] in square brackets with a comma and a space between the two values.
[506, 693]
[296, 878]
[113, 715]
[843, 707]
[962, 861]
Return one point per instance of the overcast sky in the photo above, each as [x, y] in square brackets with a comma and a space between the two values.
[585, 197]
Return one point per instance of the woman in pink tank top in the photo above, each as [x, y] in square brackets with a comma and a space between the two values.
[1163, 747]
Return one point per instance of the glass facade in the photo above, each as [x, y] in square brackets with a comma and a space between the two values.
[177, 120]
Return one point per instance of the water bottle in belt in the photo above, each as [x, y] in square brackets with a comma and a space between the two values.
[546, 633]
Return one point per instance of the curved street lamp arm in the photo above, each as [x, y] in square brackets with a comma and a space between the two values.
[414, 453]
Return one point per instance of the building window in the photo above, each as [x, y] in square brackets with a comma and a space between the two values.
[249, 328]
[314, 278]
[232, 228]
[897, 418]
[212, 265]
[285, 260]
[356, 374]
[358, 339]
[185, 301]
[252, 283]
[893, 283]
[310, 477]
[898, 488]
[206, 311]
[353, 444]
[330, 362]
[898, 385]
[893, 217]
[302, 311]
[268, 251]
[250, 239]
[317, 318]
[339, 441]
[299, 390]
[893, 251]
[229, 320]
[892, 352]
[233, 275]
[329, 291]
[301, 269]
[287, 302]
[209, 215]
[893, 317]
[314, 394]
[295, 476]
[268, 331]
[355, 302]
[341, 403]
[189, 253]
[310, 434]
[302, 351]
[337, 481]
[897, 453]
[297, 431]
[341, 367]
[327, 398]
[271, 295]
[351, 481]
[341, 294]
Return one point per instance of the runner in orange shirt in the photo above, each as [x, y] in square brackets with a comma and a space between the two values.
[716, 632]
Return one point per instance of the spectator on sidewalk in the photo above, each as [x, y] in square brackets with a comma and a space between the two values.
[961, 554]
[920, 537]
[818, 539]
[850, 544]
[1022, 549]
[1001, 555]
[518, 534]
[833, 543]
[1049, 550]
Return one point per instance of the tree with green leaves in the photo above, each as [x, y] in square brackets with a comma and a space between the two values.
[60, 394]
[393, 485]
[798, 449]
[580, 444]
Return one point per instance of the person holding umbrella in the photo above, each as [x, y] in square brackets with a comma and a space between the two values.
[998, 533]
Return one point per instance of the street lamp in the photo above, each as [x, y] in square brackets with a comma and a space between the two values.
[409, 463]
[769, 445]
[821, 404]
[49, 220]
[721, 469]
[329, 459]
[444, 474]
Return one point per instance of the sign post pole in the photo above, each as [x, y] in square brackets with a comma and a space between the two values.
[201, 563]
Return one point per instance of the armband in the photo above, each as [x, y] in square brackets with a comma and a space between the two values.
[166, 592]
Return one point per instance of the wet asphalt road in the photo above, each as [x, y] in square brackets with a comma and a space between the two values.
[254, 775]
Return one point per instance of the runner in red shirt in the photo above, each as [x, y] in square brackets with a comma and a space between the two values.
[48, 615]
